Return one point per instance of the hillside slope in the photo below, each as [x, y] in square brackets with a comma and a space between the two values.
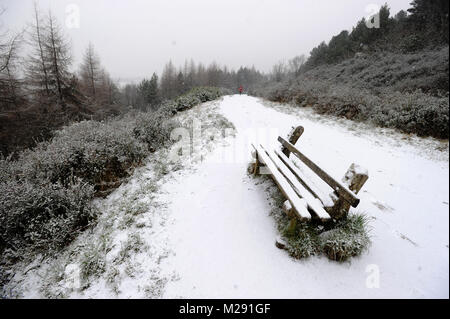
[205, 230]
[408, 92]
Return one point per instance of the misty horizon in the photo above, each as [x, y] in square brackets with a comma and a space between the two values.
[256, 33]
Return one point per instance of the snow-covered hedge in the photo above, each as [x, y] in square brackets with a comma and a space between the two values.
[91, 150]
[154, 129]
[46, 192]
[41, 215]
[197, 96]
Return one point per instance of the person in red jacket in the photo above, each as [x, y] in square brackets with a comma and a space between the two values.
[240, 90]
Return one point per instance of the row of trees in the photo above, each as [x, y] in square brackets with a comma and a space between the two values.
[176, 81]
[425, 24]
[43, 77]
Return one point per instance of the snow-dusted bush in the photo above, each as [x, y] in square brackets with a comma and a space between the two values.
[154, 128]
[42, 216]
[196, 96]
[185, 102]
[338, 241]
[414, 113]
[94, 151]
[46, 193]
[348, 239]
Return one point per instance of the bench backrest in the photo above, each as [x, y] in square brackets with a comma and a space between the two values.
[341, 189]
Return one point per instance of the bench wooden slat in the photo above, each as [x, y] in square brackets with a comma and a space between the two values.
[297, 203]
[326, 199]
[341, 189]
[313, 203]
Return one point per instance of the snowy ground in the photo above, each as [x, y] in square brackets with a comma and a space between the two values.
[208, 231]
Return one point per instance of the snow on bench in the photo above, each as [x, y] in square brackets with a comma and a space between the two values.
[297, 203]
[304, 199]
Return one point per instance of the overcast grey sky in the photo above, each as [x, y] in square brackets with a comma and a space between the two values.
[135, 37]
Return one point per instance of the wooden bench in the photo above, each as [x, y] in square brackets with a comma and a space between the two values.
[306, 201]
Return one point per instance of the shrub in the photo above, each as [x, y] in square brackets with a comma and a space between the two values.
[42, 216]
[93, 151]
[154, 128]
[196, 96]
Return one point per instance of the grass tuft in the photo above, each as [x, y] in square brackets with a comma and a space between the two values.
[339, 241]
[349, 238]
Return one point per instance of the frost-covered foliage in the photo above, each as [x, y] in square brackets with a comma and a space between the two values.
[338, 241]
[303, 241]
[154, 129]
[46, 192]
[196, 96]
[41, 215]
[94, 151]
[404, 91]
[348, 239]
[425, 70]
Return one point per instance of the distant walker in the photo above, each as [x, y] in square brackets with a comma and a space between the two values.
[240, 90]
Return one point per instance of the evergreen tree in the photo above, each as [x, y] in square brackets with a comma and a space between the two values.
[148, 92]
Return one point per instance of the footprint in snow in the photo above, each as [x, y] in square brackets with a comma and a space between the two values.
[402, 236]
[383, 206]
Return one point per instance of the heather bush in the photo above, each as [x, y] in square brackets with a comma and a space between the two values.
[196, 96]
[94, 151]
[154, 129]
[41, 216]
[414, 112]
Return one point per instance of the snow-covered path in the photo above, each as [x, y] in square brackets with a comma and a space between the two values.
[223, 236]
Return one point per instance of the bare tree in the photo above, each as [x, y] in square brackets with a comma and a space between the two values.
[10, 84]
[279, 71]
[90, 72]
[57, 52]
[47, 68]
[107, 89]
[296, 63]
[37, 68]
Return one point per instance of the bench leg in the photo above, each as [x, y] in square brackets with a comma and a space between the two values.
[292, 225]
[355, 178]
[256, 168]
